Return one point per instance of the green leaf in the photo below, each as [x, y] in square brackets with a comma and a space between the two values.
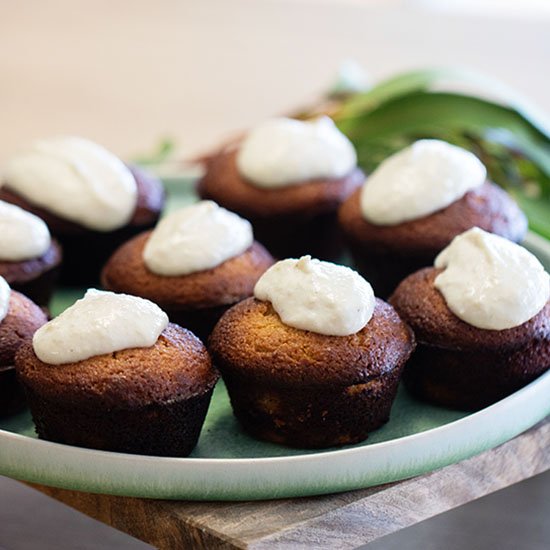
[440, 79]
[161, 152]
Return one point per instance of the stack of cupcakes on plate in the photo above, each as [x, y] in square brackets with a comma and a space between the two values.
[288, 177]
[310, 358]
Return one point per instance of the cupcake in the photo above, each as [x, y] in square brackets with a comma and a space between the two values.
[29, 259]
[288, 178]
[111, 373]
[415, 203]
[90, 200]
[197, 263]
[314, 359]
[19, 319]
[481, 318]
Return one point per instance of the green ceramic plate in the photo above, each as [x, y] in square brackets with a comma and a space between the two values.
[229, 465]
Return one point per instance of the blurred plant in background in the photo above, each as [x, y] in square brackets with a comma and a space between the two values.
[464, 108]
[508, 135]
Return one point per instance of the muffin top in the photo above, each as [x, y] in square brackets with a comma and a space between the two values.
[176, 366]
[27, 270]
[224, 184]
[76, 179]
[419, 180]
[147, 207]
[251, 338]
[423, 307]
[26, 247]
[227, 283]
[284, 152]
[22, 318]
[488, 207]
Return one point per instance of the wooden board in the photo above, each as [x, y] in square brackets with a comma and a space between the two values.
[341, 521]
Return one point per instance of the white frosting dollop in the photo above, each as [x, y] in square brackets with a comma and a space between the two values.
[490, 282]
[23, 235]
[284, 151]
[317, 296]
[196, 238]
[5, 292]
[101, 322]
[77, 180]
[421, 179]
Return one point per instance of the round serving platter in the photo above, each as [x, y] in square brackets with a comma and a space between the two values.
[229, 465]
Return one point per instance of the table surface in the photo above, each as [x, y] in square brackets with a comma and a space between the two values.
[346, 520]
[127, 73]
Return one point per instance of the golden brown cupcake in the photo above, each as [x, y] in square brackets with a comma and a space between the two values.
[288, 178]
[19, 319]
[110, 373]
[316, 361]
[199, 261]
[89, 199]
[415, 203]
[481, 318]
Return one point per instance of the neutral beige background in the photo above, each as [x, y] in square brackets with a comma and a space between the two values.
[127, 72]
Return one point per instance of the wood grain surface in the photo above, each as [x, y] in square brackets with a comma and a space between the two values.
[345, 520]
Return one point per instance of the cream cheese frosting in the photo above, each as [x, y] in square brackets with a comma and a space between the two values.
[75, 179]
[419, 180]
[285, 151]
[195, 238]
[24, 235]
[490, 282]
[318, 296]
[5, 293]
[101, 322]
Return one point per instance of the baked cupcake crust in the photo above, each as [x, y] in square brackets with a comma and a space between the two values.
[458, 365]
[304, 389]
[424, 308]
[227, 283]
[23, 319]
[488, 207]
[150, 201]
[177, 367]
[251, 340]
[224, 184]
[27, 270]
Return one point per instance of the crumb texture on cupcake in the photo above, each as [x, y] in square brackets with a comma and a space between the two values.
[487, 207]
[224, 184]
[227, 283]
[177, 366]
[458, 365]
[305, 389]
[21, 320]
[251, 337]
